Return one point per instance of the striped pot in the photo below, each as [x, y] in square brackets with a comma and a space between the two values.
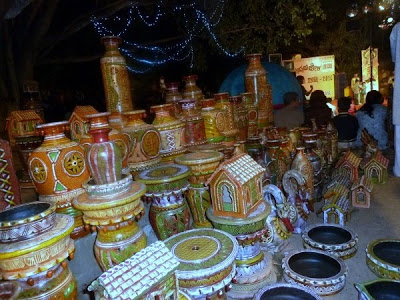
[104, 158]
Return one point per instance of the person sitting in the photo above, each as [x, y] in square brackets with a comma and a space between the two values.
[318, 109]
[346, 124]
[372, 116]
[290, 116]
[331, 106]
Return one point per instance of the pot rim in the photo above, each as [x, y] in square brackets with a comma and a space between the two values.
[378, 261]
[287, 285]
[49, 210]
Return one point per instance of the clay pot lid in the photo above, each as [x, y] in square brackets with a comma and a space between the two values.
[286, 291]
[165, 173]
[196, 158]
[207, 148]
[202, 253]
[385, 252]
[25, 213]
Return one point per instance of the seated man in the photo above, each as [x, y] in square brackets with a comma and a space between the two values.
[346, 124]
[290, 116]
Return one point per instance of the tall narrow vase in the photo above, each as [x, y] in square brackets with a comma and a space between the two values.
[58, 169]
[115, 77]
[303, 165]
[222, 103]
[248, 100]
[192, 91]
[195, 133]
[173, 96]
[214, 121]
[241, 118]
[257, 83]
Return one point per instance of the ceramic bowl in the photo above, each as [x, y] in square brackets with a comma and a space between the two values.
[319, 270]
[383, 258]
[379, 289]
[281, 291]
[333, 238]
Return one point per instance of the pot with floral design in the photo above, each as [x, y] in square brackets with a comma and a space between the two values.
[214, 121]
[248, 101]
[222, 103]
[58, 169]
[195, 133]
[241, 117]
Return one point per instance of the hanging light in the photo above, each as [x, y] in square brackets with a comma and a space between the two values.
[352, 11]
[381, 7]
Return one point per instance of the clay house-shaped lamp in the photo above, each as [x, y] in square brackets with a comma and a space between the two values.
[236, 187]
[375, 168]
[361, 192]
[79, 123]
[149, 274]
[350, 162]
[336, 205]
[22, 123]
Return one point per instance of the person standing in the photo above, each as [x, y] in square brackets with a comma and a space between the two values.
[355, 87]
[306, 93]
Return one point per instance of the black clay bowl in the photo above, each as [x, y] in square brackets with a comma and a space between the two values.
[381, 289]
[26, 212]
[388, 251]
[331, 235]
[314, 265]
[286, 292]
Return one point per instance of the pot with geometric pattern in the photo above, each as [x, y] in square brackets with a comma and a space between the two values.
[58, 169]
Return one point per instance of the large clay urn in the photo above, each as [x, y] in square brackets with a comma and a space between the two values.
[146, 141]
[191, 90]
[214, 121]
[116, 83]
[257, 83]
[241, 118]
[58, 169]
[248, 101]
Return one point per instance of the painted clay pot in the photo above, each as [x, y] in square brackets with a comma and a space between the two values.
[172, 132]
[241, 117]
[195, 133]
[332, 238]
[173, 96]
[146, 141]
[214, 121]
[378, 289]
[113, 209]
[281, 291]
[104, 157]
[279, 161]
[9, 290]
[318, 270]
[302, 164]
[116, 82]
[202, 164]
[259, 153]
[222, 103]
[191, 90]
[166, 184]
[248, 101]
[104, 120]
[34, 246]
[58, 169]
[207, 262]
[383, 258]
[257, 83]
[25, 145]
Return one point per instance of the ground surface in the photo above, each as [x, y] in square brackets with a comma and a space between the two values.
[381, 220]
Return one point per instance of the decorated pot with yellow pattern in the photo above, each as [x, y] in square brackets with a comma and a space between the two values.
[383, 258]
[58, 168]
[207, 262]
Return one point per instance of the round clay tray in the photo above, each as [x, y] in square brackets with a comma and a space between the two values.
[383, 258]
[380, 289]
[335, 239]
[319, 270]
[282, 291]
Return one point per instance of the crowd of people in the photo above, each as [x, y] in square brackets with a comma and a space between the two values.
[297, 111]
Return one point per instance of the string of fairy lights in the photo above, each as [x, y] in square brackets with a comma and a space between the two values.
[145, 56]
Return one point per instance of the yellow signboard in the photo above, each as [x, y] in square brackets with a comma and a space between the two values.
[319, 72]
[369, 56]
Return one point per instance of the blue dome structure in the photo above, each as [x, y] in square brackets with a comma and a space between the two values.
[280, 79]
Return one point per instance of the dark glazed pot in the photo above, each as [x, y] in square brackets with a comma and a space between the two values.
[319, 270]
[335, 239]
[383, 258]
[283, 291]
[379, 289]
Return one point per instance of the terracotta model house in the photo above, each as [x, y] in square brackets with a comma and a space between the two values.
[375, 168]
[149, 274]
[361, 192]
[236, 187]
[22, 123]
[350, 162]
[338, 208]
[79, 123]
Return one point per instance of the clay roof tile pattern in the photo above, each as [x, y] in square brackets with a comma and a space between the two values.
[349, 157]
[363, 181]
[242, 167]
[128, 281]
[25, 115]
[82, 111]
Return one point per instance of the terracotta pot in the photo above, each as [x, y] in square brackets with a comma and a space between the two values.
[257, 83]
[214, 121]
[303, 165]
[172, 132]
[241, 117]
[310, 142]
[173, 96]
[146, 141]
[116, 82]
[230, 131]
[104, 157]
[58, 169]
[191, 90]
[195, 133]
[248, 101]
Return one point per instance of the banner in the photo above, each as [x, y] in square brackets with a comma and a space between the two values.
[366, 60]
[319, 72]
